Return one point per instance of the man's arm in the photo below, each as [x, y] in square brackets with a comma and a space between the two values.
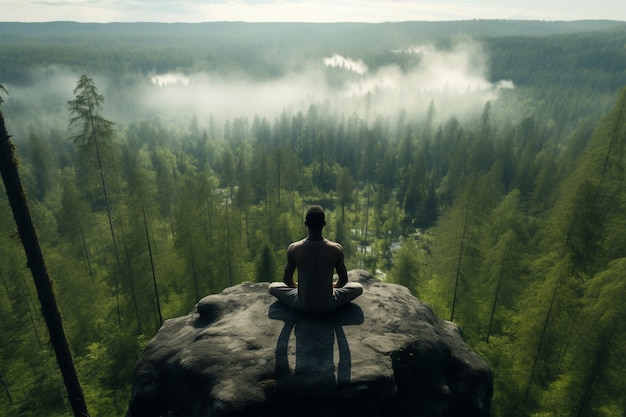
[340, 266]
[290, 268]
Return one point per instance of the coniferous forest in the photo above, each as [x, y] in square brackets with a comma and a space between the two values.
[481, 164]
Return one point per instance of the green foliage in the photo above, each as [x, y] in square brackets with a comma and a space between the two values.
[406, 266]
[512, 217]
[266, 266]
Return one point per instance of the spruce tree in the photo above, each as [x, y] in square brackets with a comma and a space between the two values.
[93, 139]
[266, 266]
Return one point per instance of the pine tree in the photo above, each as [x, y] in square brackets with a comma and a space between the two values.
[266, 266]
[93, 140]
[576, 228]
[406, 266]
[73, 222]
[345, 191]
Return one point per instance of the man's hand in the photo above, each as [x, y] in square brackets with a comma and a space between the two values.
[342, 271]
[290, 268]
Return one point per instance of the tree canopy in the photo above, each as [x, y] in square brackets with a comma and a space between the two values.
[508, 218]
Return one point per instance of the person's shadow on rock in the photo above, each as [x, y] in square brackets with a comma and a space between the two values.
[315, 337]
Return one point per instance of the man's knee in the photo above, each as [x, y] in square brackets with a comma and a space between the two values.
[355, 288]
[275, 287]
[348, 292]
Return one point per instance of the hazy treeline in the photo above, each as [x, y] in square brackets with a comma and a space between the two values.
[484, 174]
[235, 69]
[269, 49]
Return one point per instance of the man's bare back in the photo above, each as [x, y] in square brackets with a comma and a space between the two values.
[315, 258]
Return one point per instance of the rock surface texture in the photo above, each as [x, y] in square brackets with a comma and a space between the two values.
[242, 353]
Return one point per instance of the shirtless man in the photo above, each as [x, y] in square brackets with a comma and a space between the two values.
[315, 258]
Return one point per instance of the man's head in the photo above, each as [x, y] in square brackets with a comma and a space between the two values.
[315, 218]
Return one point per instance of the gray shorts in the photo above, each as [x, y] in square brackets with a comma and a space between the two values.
[341, 296]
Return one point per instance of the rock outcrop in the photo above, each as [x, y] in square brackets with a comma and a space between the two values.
[243, 353]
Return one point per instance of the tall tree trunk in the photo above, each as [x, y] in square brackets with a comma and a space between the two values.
[194, 273]
[461, 249]
[154, 282]
[497, 293]
[6, 388]
[367, 212]
[22, 288]
[39, 270]
[599, 363]
[110, 217]
[228, 248]
[131, 281]
[85, 248]
[614, 134]
[278, 172]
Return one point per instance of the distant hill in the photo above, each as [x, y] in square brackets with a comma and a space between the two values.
[532, 53]
[410, 29]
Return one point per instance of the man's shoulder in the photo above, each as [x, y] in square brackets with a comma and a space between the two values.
[336, 245]
[294, 245]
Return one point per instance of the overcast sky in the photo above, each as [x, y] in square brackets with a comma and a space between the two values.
[305, 11]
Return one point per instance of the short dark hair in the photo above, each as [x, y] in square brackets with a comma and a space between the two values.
[315, 217]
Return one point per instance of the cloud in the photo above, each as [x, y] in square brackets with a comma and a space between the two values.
[339, 61]
[461, 68]
[455, 79]
[304, 11]
[170, 78]
[226, 97]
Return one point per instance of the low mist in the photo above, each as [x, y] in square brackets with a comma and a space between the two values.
[455, 79]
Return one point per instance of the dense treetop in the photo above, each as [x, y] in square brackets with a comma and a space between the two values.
[507, 217]
[268, 49]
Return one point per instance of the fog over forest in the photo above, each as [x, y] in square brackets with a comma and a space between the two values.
[479, 164]
[455, 80]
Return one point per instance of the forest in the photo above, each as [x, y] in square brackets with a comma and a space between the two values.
[481, 164]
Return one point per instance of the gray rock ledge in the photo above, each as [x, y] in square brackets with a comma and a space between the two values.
[242, 353]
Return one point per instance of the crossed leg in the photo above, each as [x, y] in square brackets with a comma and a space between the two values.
[341, 296]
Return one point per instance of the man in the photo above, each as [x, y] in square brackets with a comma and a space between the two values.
[315, 258]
